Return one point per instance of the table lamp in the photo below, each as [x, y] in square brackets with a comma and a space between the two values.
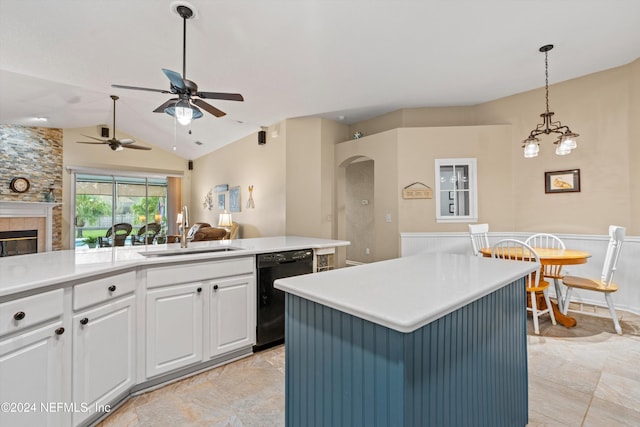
[225, 221]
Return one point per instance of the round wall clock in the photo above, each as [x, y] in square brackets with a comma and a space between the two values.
[20, 184]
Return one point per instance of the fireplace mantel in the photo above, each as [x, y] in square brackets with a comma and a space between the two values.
[10, 209]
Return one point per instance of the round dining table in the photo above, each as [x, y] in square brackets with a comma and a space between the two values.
[559, 257]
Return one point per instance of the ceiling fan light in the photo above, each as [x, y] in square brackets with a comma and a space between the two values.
[183, 112]
[195, 112]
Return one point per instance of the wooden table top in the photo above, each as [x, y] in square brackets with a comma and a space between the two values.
[549, 256]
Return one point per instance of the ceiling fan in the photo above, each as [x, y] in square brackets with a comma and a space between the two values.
[185, 106]
[113, 143]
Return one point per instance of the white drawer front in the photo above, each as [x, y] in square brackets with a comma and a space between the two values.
[25, 312]
[176, 274]
[101, 290]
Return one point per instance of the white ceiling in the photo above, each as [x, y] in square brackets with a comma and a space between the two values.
[293, 58]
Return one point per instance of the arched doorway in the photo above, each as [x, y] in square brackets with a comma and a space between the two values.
[358, 220]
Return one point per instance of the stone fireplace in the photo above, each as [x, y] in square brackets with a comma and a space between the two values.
[18, 218]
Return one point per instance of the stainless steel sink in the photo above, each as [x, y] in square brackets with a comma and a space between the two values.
[186, 251]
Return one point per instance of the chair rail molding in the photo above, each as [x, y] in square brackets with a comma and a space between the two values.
[627, 275]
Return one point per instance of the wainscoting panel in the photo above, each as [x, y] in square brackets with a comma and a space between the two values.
[627, 275]
[466, 368]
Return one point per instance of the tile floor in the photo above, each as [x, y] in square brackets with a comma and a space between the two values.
[584, 376]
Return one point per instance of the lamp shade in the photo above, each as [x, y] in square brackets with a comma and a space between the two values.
[531, 149]
[225, 220]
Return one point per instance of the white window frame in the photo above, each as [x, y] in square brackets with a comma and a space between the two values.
[471, 164]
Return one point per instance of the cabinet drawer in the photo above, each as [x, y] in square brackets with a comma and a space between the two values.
[25, 312]
[101, 290]
[187, 273]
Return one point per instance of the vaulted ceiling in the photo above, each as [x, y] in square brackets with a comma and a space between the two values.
[322, 58]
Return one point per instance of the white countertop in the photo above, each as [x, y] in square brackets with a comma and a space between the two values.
[28, 272]
[407, 293]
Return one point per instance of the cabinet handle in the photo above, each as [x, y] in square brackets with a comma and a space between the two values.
[112, 288]
[84, 321]
[215, 287]
[199, 290]
[19, 315]
[59, 331]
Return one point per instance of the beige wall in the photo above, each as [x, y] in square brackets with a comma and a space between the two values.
[597, 107]
[245, 163]
[603, 108]
[102, 157]
[382, 149]
[419, 147]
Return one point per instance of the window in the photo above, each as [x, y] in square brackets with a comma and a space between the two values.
[456, 190]
[102, 200]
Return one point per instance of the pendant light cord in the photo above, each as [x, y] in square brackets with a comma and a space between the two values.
[546, 77]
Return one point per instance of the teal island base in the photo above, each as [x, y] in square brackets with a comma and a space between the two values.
[467, 368]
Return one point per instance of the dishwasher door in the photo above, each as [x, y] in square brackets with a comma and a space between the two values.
[270, 304]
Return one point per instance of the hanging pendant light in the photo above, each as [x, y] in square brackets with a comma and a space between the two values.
[566, 140]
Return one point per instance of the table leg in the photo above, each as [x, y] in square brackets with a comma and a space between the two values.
[559, 295]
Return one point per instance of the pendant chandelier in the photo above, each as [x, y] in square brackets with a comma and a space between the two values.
[566, 139]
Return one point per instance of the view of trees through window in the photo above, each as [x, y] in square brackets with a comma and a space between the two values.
[102, 201]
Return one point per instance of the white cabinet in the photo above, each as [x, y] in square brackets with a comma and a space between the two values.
[103, 355]
[232, 310]
[174, 327]
[198, 311]
[34, 355]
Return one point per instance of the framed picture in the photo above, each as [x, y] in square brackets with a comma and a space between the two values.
[221, 200]
[450, 195]
[562, 181]
[234, 199]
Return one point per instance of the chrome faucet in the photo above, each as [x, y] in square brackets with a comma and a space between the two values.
[184, 225]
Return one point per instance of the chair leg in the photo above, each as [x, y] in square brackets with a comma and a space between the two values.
[546, 298]
[534, 311]
[612, 310]
[567, 300]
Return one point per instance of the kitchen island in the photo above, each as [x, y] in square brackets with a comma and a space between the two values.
[433, 339]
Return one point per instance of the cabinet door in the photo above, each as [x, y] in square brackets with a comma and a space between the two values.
[31, 375]
[103, 355]
[232, 314]
[174, 327]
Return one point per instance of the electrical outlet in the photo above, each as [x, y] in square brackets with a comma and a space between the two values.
[388, 218]
[367, 251]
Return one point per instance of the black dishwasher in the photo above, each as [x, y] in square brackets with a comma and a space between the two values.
[270, 316]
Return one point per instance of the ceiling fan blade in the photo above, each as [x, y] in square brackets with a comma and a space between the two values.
[91, 142]
[135, 147]
[174, 78]
[169, 103]
[141, 88]
[125, 141]
[209, 108]
[220, 95]
[94, 138]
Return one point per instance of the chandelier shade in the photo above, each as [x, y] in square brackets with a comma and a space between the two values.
[566, 138]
